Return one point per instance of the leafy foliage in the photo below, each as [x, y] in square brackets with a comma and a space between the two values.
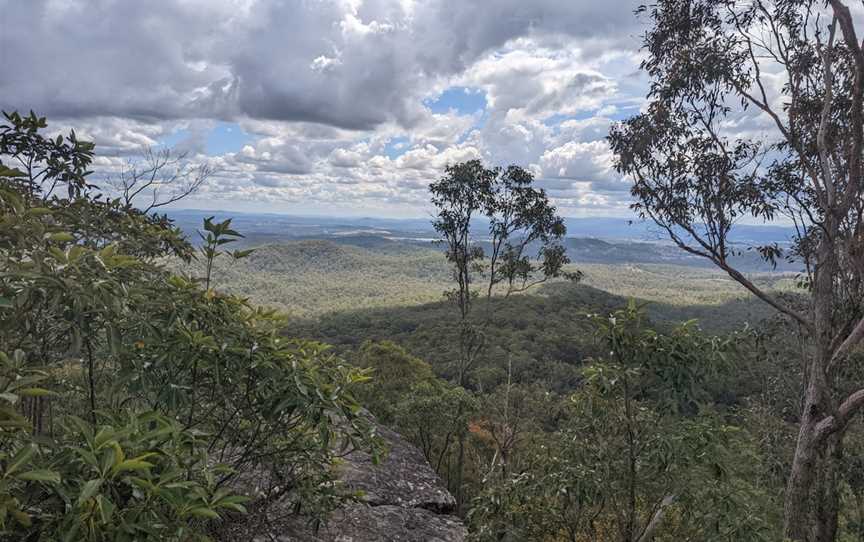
[137, 402]
[709, 63]
[133, 399]
[519, 215]
[640, 456]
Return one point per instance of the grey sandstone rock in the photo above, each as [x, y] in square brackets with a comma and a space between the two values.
[403, 479]
[403, 501]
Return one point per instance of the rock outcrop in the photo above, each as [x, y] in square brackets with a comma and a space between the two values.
[403, 501]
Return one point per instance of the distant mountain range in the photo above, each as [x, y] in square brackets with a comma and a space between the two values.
[598, 228]
[590, 240]
[640, 230]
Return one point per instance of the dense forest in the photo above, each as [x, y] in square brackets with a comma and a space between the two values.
[96, 323]
[145, 375]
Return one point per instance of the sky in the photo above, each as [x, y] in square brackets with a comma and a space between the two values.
[348, 107]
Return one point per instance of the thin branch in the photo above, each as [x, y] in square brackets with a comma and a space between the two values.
[821, 144]
[161, 172]
[710, 253]
[838, 421]
[656, 518]
[851, 341]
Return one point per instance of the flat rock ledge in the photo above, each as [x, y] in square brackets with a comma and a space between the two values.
[404, 501]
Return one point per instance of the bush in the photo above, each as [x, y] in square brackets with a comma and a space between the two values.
[133, 399]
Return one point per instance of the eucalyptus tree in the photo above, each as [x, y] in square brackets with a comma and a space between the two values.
[755, 110]
[520, 219]
[524, 236]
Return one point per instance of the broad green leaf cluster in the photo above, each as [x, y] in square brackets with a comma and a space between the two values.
[136, 404]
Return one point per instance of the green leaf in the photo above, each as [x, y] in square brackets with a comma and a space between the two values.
[108, 461]
[237, 507]
[88, 490]
[34, 392]
[40, 475]
[106, 508]
[11, 172]
[20, 459]
[58, 254]
[62, 237]
[203, 512]
[132, 464]
[104, 436]
[22, 518]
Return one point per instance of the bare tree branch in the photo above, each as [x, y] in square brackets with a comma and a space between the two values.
[844, 18]
[827, 53]
[656, 519]
[165, 176]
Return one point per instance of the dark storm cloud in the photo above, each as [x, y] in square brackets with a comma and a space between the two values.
[78, 59]
[348, 64]
[465, 29]
[329, 94]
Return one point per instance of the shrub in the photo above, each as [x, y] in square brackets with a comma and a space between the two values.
[132, 400]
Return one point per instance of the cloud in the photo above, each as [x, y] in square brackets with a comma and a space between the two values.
[590, 129]
[530, 80]
[75, 58]
[323, 87]
[583, 162]
[351, 64]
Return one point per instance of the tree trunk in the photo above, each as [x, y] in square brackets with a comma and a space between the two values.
[814, 455]
[812, 492]
[828, 490]
[797, 512]
[460, 472]
[630, 527]
[859, 505]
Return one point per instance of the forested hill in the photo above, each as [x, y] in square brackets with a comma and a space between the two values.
[591, 240]
[278, 225]
[527, 362]
[311, 278]
[547, 336]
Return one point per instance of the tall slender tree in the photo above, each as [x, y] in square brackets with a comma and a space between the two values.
[523, 234]
[520, 219]
[792, 73]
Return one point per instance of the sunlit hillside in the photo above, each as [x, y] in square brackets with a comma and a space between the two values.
[309, 278]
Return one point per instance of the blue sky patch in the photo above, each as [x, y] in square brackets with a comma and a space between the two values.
[226, 137]
[463, 100]
[223, 138]
[174, 138]
[397, 146]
